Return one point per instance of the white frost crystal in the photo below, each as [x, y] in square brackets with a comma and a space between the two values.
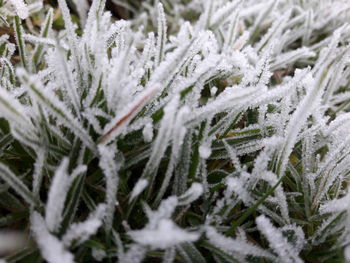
[50, 246]
[165, 235]
[192, 194]
[204, 151]
[138, 188]
[21, 8]
[147, 132]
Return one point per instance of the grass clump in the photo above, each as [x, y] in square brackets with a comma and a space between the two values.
[193, 131]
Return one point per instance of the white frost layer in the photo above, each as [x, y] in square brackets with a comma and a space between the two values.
[204, 151]
[192, 194]
[147, 132]
[57, 197]
[166, 234]
[80, 232]
[50, 247]
[139, 187]
[21, 8]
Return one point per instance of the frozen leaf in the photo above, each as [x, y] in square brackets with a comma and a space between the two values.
[235, 246]
[165, 235]
[57, 196]
[192, 194]
[277, 241]
[80, 232]
[138, 188]
[117, 125]
[38, 171]
[161, 39]
[110, 167]
[12, 180]
[51, 248]
[135, 254]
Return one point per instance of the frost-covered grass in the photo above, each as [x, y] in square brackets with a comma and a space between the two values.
[195, 131]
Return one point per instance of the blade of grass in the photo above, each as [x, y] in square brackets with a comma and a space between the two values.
[12, 180]
[252, 209]
[20, 42]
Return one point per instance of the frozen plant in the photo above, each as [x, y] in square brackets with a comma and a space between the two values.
[194, 131]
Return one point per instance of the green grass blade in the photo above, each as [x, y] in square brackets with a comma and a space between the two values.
[20, 42]
[12, 180]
